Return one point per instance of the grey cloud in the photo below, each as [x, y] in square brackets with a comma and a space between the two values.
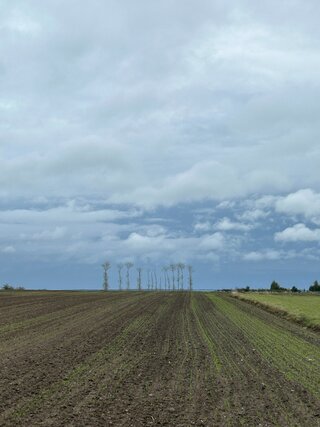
[144, 106]
[212, 86]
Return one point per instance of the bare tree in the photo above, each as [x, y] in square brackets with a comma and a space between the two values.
[173, 269]
[139, 270]
[120, 267]
[106, 266]
[128, 266]
[164, 270]
[155, 279]
[181, 268]
[167, 269]
[149, 282]
[190, 270]
[178, 276]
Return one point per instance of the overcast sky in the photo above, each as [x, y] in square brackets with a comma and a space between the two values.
[158, 132]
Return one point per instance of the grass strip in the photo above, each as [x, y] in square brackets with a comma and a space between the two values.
[302, 309]
[297, 359]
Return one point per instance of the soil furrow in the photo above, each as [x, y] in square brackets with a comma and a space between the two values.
[153, 358]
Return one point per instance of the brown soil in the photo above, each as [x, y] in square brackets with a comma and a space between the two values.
[137, 359]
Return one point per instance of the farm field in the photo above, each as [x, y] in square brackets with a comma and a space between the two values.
[304, 308]
[144, 359]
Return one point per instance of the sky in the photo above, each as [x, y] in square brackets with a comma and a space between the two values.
[159, 132]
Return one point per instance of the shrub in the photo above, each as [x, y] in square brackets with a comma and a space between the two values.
[274, 287]
[7, 287]
[315, 287]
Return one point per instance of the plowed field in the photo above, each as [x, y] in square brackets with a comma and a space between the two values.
[143, 359]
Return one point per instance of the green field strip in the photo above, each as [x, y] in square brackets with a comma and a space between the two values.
[188, 378]
[233, 353]
[297, 359]
[304, 309]
[220, 336]
[234, 348]
[204, 332]
[96, 366]
[272, 318]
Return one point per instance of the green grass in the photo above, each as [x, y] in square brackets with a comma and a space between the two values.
[303, 308]
[205, 334]
[297, 359]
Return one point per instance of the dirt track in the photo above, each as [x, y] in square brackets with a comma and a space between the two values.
[139, 359]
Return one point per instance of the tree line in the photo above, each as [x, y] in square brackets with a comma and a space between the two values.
[173, 277]
[275, 287]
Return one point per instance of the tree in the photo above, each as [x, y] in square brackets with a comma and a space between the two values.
[128, 265]
[173, 269]
[155, 279]
[190, 271]
[167, 269]
[181, 268]
[120, 267]
[178, 276]
[295, 289]
[315, 287]
[7, 287]
[139, 286]
[274, 287]
[106, 266]
[164, 270]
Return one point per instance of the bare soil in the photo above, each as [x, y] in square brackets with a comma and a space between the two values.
[140, 359]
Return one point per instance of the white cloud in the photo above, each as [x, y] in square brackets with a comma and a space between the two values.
[214, 241]
[72, 212]
[253, 215]
[203, 226]
[225, 224]
[268, 255]
[299, 232]
[304, 202]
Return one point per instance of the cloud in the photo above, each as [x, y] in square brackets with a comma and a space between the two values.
[54, 234]
[299, 232]
[270, 255]
[71, 212]
[304, 202]
[165, 128]
[169, 248]
[8, 250]
[253, 215]
[201, 109]
[225, 224]
[203, 226]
